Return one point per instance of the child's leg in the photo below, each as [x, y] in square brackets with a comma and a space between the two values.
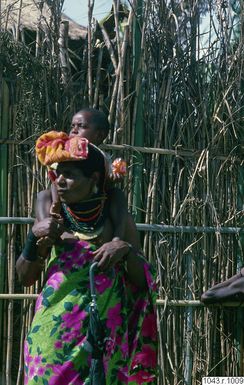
[43, 204]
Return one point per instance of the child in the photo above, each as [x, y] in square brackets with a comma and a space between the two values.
[93, 125]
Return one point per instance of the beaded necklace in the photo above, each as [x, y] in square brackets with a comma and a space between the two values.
[86, 217]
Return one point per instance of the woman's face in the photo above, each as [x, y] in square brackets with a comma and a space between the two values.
[72, 185]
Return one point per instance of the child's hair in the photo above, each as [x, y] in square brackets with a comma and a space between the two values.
[98, 118]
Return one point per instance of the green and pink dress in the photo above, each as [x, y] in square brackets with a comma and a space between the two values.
[55, 352]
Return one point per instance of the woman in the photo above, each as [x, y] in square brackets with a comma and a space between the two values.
[56, 348]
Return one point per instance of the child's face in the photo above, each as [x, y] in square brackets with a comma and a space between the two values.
[82, 126]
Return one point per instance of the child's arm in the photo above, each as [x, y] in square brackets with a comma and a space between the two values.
[46, 200]
[43, 205]
[118, 212]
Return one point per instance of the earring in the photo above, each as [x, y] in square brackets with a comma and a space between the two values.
[95, 189]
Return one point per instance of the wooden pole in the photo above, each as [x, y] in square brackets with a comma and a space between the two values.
[63, 51]
[4, 130]
[138, 122]
[90, 81]
[18, 20]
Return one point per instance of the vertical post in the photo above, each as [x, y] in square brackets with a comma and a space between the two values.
[4, 118]
[138, 112]
[18, 21]
[0, 17]
[89, 37]
[63, 51]
[240, 264]
[39, 29]
[240, 207]
[189, 322]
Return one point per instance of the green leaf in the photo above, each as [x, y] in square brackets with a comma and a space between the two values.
[53, 331]
[39, 351]
[45, 382]
[45, 302]
[29, 339]
[67, 349]
[35, 329]
[49, 291]
[68, 306]
[60, 356]
[57, 318]
[56, 362]
[74, 292]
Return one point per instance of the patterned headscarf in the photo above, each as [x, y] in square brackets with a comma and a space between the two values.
[55, 147]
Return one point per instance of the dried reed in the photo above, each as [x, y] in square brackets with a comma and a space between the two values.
[174, 94]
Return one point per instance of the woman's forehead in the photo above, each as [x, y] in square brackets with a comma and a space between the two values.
[70, 165]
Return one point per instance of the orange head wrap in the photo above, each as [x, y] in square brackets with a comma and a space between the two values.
[56, 147]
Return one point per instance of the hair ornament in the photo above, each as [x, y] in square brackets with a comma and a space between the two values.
[119, 167]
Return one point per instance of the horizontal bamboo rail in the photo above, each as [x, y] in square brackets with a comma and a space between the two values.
[195, 303]
[159, 302]
[16, 296]
[188, 229]
[144, 150]
[146, 227]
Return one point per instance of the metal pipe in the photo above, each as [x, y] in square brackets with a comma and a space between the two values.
[159, 302]
[188, 229]
[147, 227]
[16, 220]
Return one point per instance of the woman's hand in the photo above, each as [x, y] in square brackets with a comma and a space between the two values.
[110, 253]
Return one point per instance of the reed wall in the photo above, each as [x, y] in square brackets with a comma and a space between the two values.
[170, 77]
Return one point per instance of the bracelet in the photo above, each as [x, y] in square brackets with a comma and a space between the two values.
[131, 248]
[30, 249]
[41, 261]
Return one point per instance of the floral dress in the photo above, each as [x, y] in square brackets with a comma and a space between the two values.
[54, 352]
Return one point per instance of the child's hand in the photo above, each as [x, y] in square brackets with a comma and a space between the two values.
[55, 211]
[49, 228]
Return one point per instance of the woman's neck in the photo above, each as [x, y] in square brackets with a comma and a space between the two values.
[92, 199]
[87, 215]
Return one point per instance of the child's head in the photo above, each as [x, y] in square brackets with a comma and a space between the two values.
[91, 124]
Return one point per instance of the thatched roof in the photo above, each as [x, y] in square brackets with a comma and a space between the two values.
[31, 12]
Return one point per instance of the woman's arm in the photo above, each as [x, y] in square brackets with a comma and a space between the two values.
[126, 251]
[118, 211]
[134, 261]
[28, 271]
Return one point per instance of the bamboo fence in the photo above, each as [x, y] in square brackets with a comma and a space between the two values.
[171, 79]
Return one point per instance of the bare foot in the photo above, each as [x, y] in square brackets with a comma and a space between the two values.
[231, 290]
